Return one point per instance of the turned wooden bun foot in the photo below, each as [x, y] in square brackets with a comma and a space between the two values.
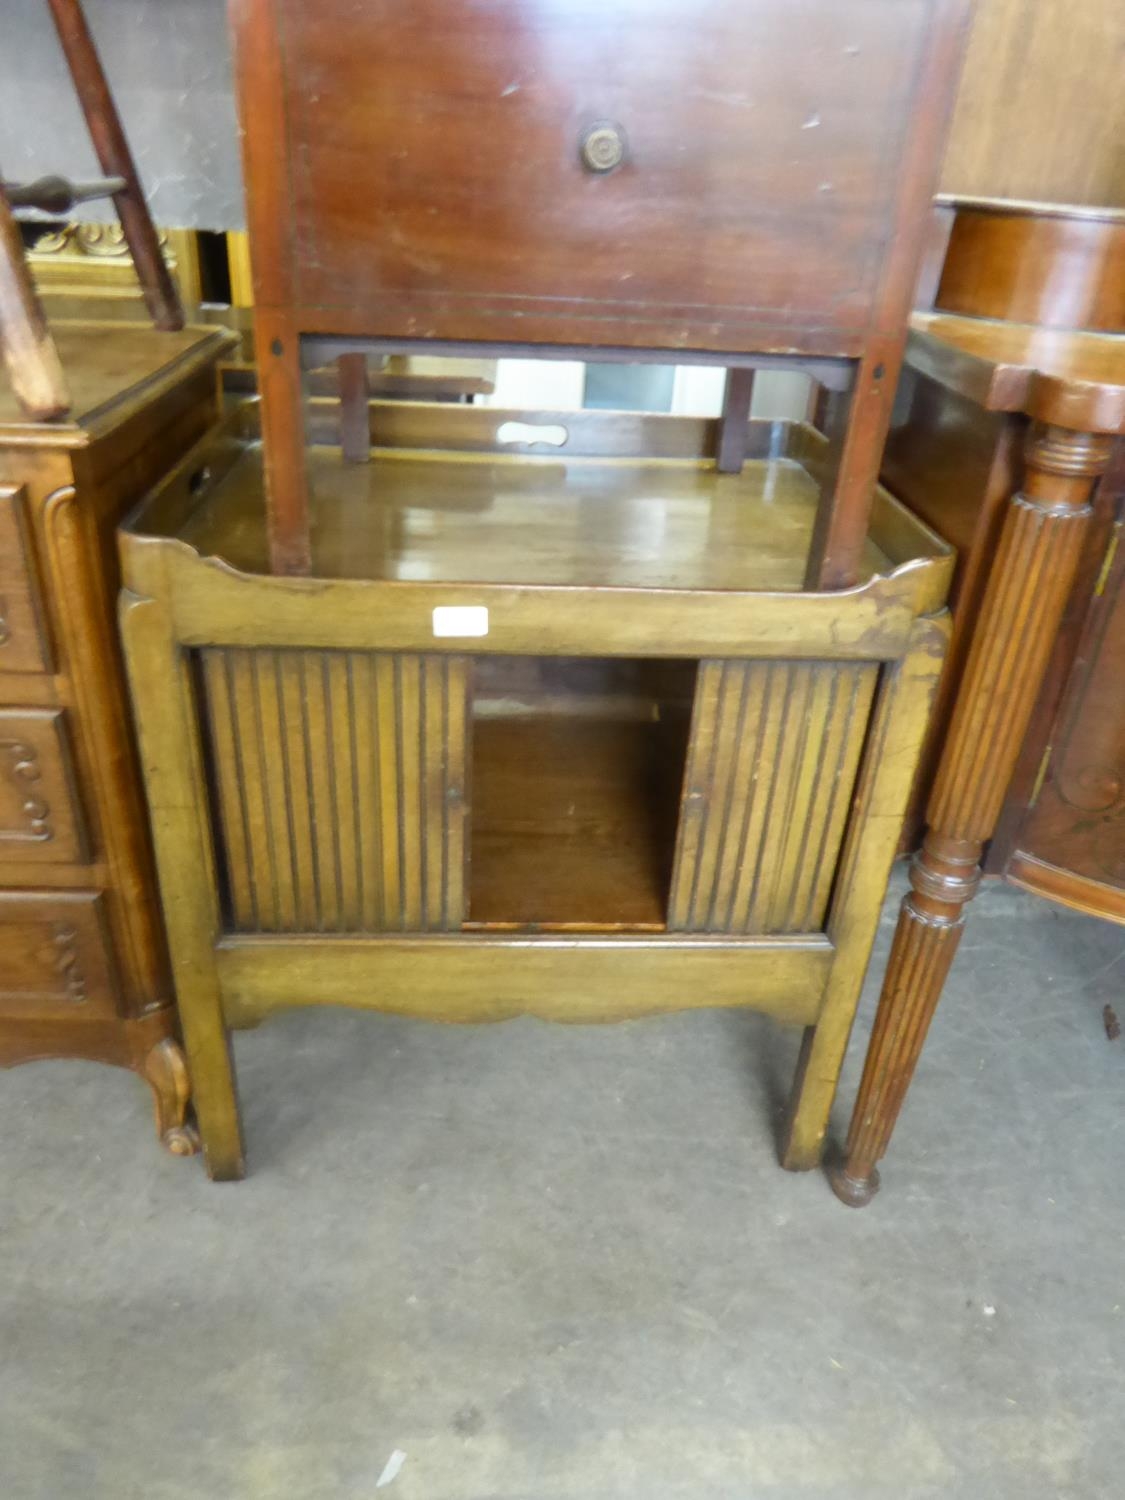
[181, 1140]
[856, 1192]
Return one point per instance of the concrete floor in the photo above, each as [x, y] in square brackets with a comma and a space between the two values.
[561, 1264]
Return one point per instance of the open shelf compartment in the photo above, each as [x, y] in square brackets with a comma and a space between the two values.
[387, 792]
[577, 775]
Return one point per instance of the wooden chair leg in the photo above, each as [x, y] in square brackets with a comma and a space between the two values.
[355, 416]
[277, 347]
[856, 448]
[881, 799]
[29, 352]
[1030, 582]
[816, 407]
[734, 423]
[104, 125]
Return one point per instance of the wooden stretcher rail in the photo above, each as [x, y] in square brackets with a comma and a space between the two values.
[486, 978]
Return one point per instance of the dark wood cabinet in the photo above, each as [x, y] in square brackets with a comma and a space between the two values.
[83, 966]
[445, 180]
[1062, 830]
[740, 181]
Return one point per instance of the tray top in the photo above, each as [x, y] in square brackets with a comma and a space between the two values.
[424, 518]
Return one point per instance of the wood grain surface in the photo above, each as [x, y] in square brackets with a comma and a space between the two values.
[1041, 113]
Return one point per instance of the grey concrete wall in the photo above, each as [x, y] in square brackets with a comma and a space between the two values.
[168, 62]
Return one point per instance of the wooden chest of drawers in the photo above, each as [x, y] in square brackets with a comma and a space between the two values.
[83, 969]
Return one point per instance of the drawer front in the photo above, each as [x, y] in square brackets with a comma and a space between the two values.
[437, 158]
[23, 640]
[40, 819]
[55, 956]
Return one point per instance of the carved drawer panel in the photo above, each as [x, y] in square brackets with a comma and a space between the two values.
[23, 641]
[40, 819]
[54, 955]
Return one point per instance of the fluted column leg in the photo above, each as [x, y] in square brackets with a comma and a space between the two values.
[1030, 581]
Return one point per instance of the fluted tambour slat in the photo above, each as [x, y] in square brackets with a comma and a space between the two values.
[775, 748]
[339, 788]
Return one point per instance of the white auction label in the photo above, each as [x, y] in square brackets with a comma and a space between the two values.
[460, 620]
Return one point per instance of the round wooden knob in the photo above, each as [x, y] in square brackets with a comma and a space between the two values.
[603, 147]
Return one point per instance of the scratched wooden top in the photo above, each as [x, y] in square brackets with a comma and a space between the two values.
[109, 366]
[1074, 379]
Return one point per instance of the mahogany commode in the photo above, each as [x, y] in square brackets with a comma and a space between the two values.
[464, 712]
